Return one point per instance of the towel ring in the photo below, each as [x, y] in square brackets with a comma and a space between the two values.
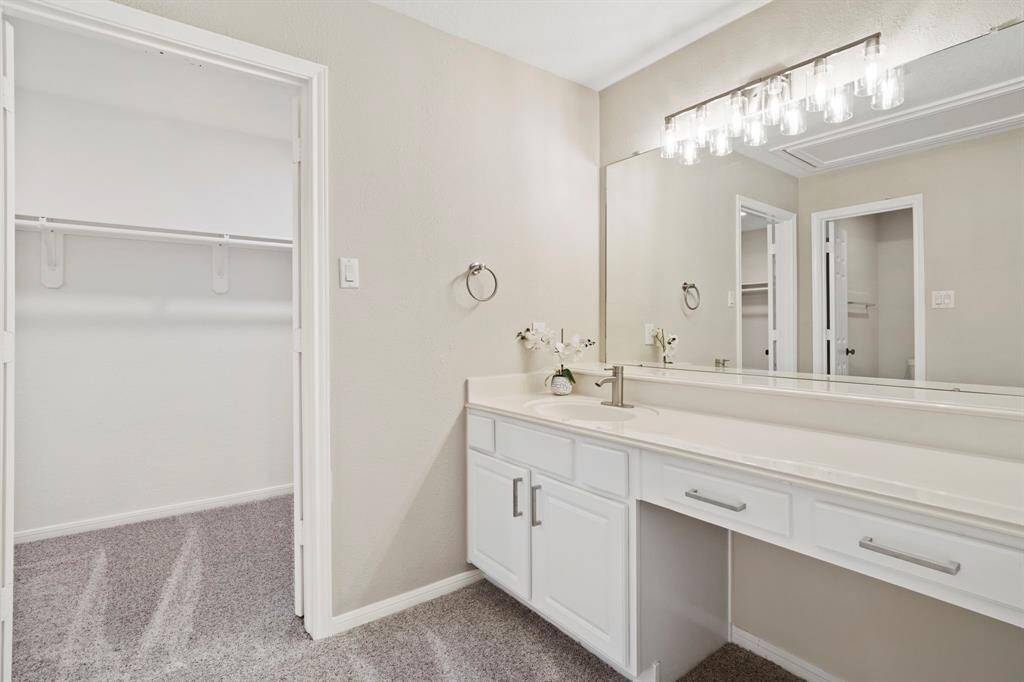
[475, 269]
[687, 288]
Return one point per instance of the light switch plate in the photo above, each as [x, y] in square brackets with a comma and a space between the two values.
[539, 326]
[943, 299]
[732, 299]
[348, 273]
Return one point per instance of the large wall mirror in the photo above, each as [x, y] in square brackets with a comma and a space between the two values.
[885, 249]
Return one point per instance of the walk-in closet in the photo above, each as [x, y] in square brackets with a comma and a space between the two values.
[156, 359]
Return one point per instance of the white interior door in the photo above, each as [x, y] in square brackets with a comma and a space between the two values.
[7, 340]
[297, 497]
[773, 322]
[838, 300]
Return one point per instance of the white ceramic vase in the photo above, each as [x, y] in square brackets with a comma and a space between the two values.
[561, 385]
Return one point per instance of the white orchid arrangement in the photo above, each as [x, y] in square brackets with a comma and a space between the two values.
[669, 344]
[564, 351]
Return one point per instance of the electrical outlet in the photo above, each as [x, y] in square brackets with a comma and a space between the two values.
[539, 326]
[943, 299]
[648, 333]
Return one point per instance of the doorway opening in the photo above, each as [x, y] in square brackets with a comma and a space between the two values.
[868, 290]
[766, 287]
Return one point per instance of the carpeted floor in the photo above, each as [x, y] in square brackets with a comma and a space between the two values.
[209, 596]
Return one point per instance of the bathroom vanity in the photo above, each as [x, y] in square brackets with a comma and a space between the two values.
[614, 524]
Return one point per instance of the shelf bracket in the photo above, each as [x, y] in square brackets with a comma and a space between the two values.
[221, 267]
[51, 255]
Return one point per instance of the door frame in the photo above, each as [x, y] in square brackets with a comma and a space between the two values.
[101, 18]
[915, 202]
[786, 297]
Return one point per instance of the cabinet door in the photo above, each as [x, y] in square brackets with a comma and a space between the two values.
[499, 522]
[580, 578]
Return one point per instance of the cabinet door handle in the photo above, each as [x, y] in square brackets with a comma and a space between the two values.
[695, 495]
[950, 567]
[516, 512]
[533, 505]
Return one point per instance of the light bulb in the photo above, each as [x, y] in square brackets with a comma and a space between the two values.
[818, 82]
[868, 82]
[737, 113]
[721, 143]
[669, 142]
[700, 126]
[777, 94]
[838, 109]
[889, 93]
[793, 121]
[689, 152]
[756, 133]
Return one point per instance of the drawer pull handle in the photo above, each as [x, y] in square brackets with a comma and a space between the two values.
[695, 495]
[950, 567]
[516, 511]
[533, 505]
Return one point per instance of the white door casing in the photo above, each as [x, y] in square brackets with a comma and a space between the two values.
[580, 575]
[7, 321]
[297, 502]
[839, 296]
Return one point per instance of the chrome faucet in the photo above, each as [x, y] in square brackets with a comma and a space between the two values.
[617, 378]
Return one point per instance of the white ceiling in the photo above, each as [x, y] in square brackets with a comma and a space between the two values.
[592, 42]
[146, 80]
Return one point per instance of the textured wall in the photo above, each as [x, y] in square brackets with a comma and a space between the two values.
[441, 152]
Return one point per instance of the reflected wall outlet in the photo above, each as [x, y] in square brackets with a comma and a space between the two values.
[648, 333]
[943, 299]
[539, 326]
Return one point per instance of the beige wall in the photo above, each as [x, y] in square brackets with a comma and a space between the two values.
[780, 33]
[827, 625]
[668, 224]
[973, 244]
[441, 153]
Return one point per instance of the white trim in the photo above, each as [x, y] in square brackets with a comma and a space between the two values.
[124, 518]
[915, 202]
[780, 657]
[400, 602]
[787, 297]
[117, 22]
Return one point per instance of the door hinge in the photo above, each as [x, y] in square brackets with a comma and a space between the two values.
[6, 603]
[829, 336]
[297, 339]
[297, 150]
[6, 347]
[7, 93]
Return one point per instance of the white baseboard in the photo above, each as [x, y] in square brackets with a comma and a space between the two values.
[784, 659]
[385, 607]
[73, 527]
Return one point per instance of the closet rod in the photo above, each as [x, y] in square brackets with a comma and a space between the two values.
[93, 229]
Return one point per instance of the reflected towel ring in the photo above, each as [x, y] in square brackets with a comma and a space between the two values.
[687, 288]
[475, 269]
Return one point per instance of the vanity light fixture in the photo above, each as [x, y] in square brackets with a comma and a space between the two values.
[746, 113]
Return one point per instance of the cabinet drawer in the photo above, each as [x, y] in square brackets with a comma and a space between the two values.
[603, 468]
[538, 449]
[730, 503]
[981, 568]
[480, 432]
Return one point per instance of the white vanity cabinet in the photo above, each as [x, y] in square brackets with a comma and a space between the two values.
[580, 578]
[624, 548]
[551, 534]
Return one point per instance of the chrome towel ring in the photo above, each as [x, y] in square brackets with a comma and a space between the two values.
[475, 269]
[688, 297]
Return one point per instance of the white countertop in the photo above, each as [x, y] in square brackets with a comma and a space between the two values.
[981, 488]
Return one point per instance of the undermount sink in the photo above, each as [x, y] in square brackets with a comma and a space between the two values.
[585, 410]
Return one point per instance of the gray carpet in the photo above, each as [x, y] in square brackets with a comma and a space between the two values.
[209, 596]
